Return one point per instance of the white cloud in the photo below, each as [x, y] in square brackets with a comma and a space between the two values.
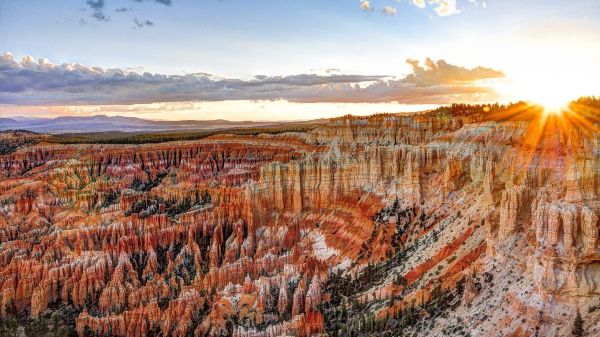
[389, 10]
[365, 5]
[444, 7]
[419, 3]
[441, 7]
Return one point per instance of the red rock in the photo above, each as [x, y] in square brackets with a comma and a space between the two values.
[290, 208]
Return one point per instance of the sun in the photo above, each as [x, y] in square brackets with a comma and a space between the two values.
[553, 101]
[554, 104]
[553, 81]
[554, 96]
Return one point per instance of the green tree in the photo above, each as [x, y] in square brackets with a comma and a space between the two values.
[206, 198]
[9, 327]
[578, 325]
[57, 329]
[36, 328]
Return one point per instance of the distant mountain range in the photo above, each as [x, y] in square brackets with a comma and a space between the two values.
[102, 123]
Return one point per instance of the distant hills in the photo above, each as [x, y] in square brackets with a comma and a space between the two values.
[103, 123]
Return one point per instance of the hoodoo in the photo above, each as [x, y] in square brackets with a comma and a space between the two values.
[430, 224]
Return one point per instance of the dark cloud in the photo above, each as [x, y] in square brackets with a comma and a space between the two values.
[100, 16]
[98, 11]
[162, 2]
[142, 23]
[31, 82]
[97, 7]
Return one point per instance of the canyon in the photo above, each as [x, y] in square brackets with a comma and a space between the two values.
[461, 221]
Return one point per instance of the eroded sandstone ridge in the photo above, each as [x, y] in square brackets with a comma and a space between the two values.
[441, 223]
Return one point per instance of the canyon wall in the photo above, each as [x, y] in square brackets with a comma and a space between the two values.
[237, 235]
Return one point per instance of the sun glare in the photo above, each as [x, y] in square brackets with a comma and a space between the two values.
[553, 101]
[551, 76]
[553, 94]
[553, 97]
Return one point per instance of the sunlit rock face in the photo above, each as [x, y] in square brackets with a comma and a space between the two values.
[430, 224]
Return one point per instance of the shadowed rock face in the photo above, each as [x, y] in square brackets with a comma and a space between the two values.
[358, 227]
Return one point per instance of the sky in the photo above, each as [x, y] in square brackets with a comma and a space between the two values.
[290, 59]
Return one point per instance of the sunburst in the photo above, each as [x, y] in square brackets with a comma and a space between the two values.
[552, 134]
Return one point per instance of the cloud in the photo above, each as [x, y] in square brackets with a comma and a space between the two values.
[440, 72]
[389, 10]
[100, 16]
[30, 82]
[142, 23]
[440, 7]
[162, 2]
[444, 7]
[365, 5]
[419, 3]
[97, 7]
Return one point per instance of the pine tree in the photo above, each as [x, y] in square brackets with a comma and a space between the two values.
[36, 328]
[578, 325]
[10, 327]
[206, 199]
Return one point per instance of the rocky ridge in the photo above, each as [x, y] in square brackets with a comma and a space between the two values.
[441, 223]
